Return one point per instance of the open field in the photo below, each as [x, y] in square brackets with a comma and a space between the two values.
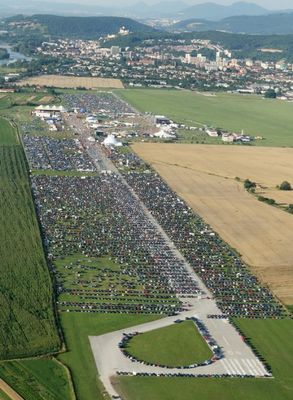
[7, 133]
[257, 116]
[98, 281]
[27, 321]
[3, 396]
[175, 345]
[68, 82]
[79, 357]
[271, 337]
[37, 379]
[205, 177]
[7, 393]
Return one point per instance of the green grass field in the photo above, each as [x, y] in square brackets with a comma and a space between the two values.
[79, 358]
[49, 172]
[7, 133]
[37, 379]
[3, 396]
[27, 323]
[98, 280]
[26, 310]
[173, 346]
[271, 119]
[273, 338]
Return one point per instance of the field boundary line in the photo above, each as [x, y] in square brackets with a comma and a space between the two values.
[9, 391]
[193, 169]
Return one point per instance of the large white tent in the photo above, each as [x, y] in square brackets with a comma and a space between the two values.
[111, 141]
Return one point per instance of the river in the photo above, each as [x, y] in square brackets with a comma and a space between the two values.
[13, 56]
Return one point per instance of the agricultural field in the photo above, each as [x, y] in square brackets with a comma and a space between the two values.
[176, 345]
[270, 119]
[204, 176]
[37, 379]
[7, 133]
[273, 340]
[3, 396]
[70, 82]
[27, 319]
[79, 358]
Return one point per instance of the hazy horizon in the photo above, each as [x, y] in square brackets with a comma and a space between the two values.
[270, 4]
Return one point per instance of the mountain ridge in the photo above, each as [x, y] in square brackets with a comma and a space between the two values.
[139, 10]
[263, 24]
[83, 27]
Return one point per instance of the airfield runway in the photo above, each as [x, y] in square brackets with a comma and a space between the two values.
[238, 357]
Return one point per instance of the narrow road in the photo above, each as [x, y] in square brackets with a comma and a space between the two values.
[9, 391]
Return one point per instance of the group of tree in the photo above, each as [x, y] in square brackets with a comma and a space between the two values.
[285, 185]
[249, 185]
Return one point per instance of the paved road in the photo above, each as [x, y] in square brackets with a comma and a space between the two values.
[238, 357]
[9, 391]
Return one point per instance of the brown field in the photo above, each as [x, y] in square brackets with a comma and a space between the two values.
[46, 99]
[31, 98]
[71, 82]
[204, 176]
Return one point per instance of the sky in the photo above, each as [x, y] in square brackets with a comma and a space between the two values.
[270, 4]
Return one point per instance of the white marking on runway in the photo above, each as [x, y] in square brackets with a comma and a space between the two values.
[225, 340]
[224, 362]
[240, 367]
[254, 372]
[232, 362]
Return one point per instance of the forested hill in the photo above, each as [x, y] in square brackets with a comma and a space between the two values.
[85, 27]
[263, 24]
[242, 46]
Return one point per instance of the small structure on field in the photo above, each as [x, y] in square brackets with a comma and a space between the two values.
[111, 141]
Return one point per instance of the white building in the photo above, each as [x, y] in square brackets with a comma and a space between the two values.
[111, 141]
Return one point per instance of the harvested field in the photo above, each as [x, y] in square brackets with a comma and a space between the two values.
[71, 82]
[31, 98]
[205, 177]
[46, 99]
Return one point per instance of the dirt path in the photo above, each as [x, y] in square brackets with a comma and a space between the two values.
[9, 391]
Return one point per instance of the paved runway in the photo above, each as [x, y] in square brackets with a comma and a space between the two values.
[238, 357]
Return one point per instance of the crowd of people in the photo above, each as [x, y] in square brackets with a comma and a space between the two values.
[236, 290]
[99, 216]
[102, 103]
[56, 154]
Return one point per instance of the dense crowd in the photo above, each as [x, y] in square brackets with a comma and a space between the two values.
[102, 103]
[98, 216]
[56, 154]
[236, 290]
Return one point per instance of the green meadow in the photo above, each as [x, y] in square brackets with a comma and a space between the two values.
[174, 346]
[272, 338]
[26, 295]
[270, 119]
[79, 358]
[38, 379]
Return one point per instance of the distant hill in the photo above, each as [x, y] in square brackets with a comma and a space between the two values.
[242, 45]
[142, 10]
[214, 11]
[85, 27]
[263, 24]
